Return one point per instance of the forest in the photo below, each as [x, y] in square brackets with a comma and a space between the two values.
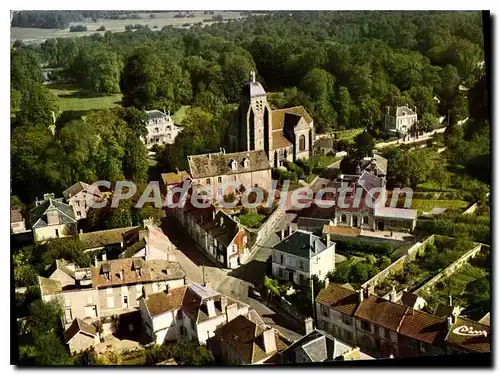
[345, 68]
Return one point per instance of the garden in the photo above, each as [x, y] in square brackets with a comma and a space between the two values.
[435, 257]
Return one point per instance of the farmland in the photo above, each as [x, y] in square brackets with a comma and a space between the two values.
[34, 35]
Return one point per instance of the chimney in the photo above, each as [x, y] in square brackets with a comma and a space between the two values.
[358, 170]
[81, 231]
[144, 292]
[167, 288]
[327, 282]
[208, 284]
[269, 338]
[231, 312]
[361, 295]
[308, 325]
[176, 170]
[393, 295]
[449, 321]
[122, 274]
[328, 239]
[210, 308]
[223, 303]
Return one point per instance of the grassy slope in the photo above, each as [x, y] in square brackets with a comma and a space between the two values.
[73, 99]
[178, 116]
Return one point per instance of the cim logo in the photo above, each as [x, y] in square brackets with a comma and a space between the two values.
[469, 331]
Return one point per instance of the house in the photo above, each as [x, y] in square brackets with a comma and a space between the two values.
[17, 222]
[249, 168]
[173, 179]
[319, 346]
[191, 312]
[79, 195]
[356, 211]
[283, 134]
[51, 218]
[111, 288]
[467, 336]
[104, 244]
[400, 120]
[301, 255]
[246, 340]
[80, 336]
[161, 129]
[326, 145]
[149, 243]
[378, 326]
[376, 165]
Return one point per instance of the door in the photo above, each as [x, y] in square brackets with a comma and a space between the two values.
[125, 301]
[380, 225]
[355, 221]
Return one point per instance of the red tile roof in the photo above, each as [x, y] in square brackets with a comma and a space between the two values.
[423, 327]
[339, 298]
[381, 312]
[469, 335]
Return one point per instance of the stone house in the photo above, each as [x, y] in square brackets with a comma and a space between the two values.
[283, 134]
[356, 212]
[149, 243]
[250, 169]
[78, 196]
[190, 312]
[378, 326]
[376, 165]
[246, 340]
[161, 129]
[400, 120]
[172, 179]
[300, 255]
[17, 222]
[51, 218]
[80, 336]
[104, 244]
[111, 288]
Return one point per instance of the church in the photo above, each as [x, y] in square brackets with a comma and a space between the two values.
[284, 134]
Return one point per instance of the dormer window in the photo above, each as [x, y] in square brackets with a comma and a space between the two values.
[233, 165]
[106, 276]
[246, 163]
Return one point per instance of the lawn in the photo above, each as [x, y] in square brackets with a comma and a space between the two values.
[425, 205]
[179, 116]
[252, 219]
[71, 98]
[349, 134]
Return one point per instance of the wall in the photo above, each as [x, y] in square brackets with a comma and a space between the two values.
[323, 263]
[206, 329]
[266, 228]
[451, 269]
[332, 321]
[65, 230]
[76, 300]
[165, 327]
[81, 342]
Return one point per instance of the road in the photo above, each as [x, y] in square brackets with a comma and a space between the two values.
[233, 283]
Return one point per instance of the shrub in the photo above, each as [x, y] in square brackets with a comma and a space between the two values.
[102, 28]
[78, 28]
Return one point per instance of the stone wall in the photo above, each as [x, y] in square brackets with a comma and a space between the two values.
[451, 269]
[266, 228]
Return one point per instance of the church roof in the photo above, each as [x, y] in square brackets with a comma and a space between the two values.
[279, 140]
[282, 117]
[253, 89]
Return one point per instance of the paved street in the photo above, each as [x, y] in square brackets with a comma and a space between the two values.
[234, 283]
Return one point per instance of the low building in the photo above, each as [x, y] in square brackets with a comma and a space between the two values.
[376, 165]
[326, 145]
[319, 346]
[149, 243]
[220, 236]
[17, 222]
[381, 327]
[111, 288]
[400, 120]
[171, 180]
[212, 171]
[191, 312]
[79, 195]
[51, 218]
[301, 255]
[80, 336]
[467, 336]
[246, 340]
[104, 244]
[161, 129]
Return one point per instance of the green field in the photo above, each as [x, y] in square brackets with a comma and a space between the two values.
[426, 205]
[33, 35]
[349, 134]
[71, 98]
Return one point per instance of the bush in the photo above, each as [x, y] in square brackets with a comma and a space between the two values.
[358, 247]
[78, 28]
[102, 28]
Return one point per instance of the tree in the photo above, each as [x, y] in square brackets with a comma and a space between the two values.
[70, 249]
[364, 144]
[344, 106]
[235, 69]
[423, 99]
[318, 84]
[38, 106]
[369, 114]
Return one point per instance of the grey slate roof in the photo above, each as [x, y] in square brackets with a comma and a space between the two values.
[302, 244]
[312, 223]
[396, 213]
[75, 189]
[154, 113]
[38, 218]
[381, 163]
[253, 89]
[218, 164]
[404, 109]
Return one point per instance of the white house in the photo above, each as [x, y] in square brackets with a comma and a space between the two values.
[78, 196]
[401, 119]
[149, 243]
[161, 129]
[191, 312]
[301, 255]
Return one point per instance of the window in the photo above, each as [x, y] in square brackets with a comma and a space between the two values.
[325, 311]
[348, 335]
[168, 136]
[233, 178]
[302, 143]
[219, 179]
[179, 315]
[423, 347]
[57, 232]
[366, 326]
[67, 315]
[183, 331]
[157, 130]
[387, 334]
[282, 259]
[207, 181]
[125, 301]
[301, 264]
[245, 240]
[346, 320]
[78, 203]
[280, 272]
[343, 218]
[365, 220]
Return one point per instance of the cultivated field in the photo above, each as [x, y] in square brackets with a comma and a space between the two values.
[33, 35]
